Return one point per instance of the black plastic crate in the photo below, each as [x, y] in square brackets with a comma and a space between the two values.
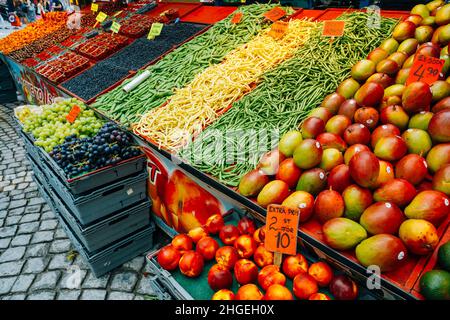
[91, 180]
[101, 202]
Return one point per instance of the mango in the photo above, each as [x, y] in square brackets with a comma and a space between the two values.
[395, 115]
[288, 172]
[343, 233]
[357, 133]
[417, 97]
[377, 55]
[301, 200]
[329, 204]
[433, 5]
[339, 178]
[441, 105]
[438, 156]
[384, 130]
[429, 49]
[441, 180]
[371, 93]
[308, 154]
[443, 15]
[391, 148]
[389, 45]
[252, 183]
[289, 141]
[312, 127]
[364, 168]
[402, 76]
[270, 162]
[312, 181]
[331, 158]
[444, 35]
[367, 116]
[273, 193]
[420, 120]
[332, 102]
[348, 108]
[412, 167]
[383, 250]
[417, 141]
[362, 70]
[424, 33]
[409, 62]
[356, 200]
[419, 236]
[382, 79]
[408, 46]
[421, 10]
[321, 113]
[397, 191]
[439, 126]
[352, 150]
[386, 173]
[330, 140]
[415, 18]
[440, 90]
[382, 217]
[429, 22]
[337, 124]
[348, 88]
[394, 90]
[404, 30]
[429, 205]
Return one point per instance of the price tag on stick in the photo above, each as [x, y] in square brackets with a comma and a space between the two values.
[94, 7]
[333, 28]
[73, 114]
[278, 29]
[115, 27]
[101, 17]
[275, 14]
[425, 69]
[155, 30]
[281, 231]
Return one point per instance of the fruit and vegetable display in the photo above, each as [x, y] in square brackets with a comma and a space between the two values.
[33, 31]
[50, 127]
[178, 68]
[435, 284]
[284, 97]
[63, 67]
[102, 45]
[133, 57]
[370, 165]
[138, 25]
[233, 261]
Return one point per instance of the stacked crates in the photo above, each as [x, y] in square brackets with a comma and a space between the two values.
[105, 213]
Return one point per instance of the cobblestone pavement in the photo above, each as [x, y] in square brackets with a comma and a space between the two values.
[35, 253]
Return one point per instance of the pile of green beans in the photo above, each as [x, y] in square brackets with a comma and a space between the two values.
[283, 99]
[179, 67]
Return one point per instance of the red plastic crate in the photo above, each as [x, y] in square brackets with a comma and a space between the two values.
[208, 15]
[394, 14]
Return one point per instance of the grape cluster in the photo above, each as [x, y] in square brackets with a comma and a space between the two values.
[81, 155]
[50, 128]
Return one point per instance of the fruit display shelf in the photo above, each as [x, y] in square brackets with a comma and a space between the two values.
[102, 45]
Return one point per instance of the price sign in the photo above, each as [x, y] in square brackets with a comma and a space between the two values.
[281, 229]
[94, 7]
[425, 69]
[278, 29]
[275, 14]
[236, 18]
[101, 17]
[115, 27]
[155, 30]
[73, 114]
[333, 28]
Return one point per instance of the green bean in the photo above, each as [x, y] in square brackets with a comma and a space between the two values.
[285, 96]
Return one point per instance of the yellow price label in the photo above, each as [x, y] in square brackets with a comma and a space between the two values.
[155, 30]
[101, 17]
[115, 27]
[94, 7]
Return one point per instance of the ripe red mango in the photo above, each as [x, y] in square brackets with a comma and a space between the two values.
[330, 140]
[329, 204]
[417, 97]
[412, 167]
[252, 183]
[364, 168]
[383, 131]
[382, 217]
[430, 205]
[332, 102]
[370, 94]
[339, 178]
[397, 191]
[288, 172]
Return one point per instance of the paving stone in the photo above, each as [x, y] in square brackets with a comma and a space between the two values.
[47, 215]
[117, 295]
[21, 240]
[29, 227]
[33, 209]
[22, 186]
[124, 281]
[30, 217]
[7, 232]
[92, 282]
[93, 295]
[145, 287]
[18, 180]
[23, 283]
[42, 236]
[36, 265]
[59, 261]
[11, 268]
[3, 212]
[37, 250]
[43, 295]
[17, 211]
[34, 199]
[18, 197]
[137, 297]
[69, 295]
[46, 280]
[17, 203]
[59, 246]
[14, 297]
[4, 243]
[72, 278]
[49, 224]
[10, 221]
[135, 264]
[6, 284]
[9, 188]
[60, 234]
[12, 254]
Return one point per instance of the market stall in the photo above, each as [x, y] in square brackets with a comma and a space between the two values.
[322, 111]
